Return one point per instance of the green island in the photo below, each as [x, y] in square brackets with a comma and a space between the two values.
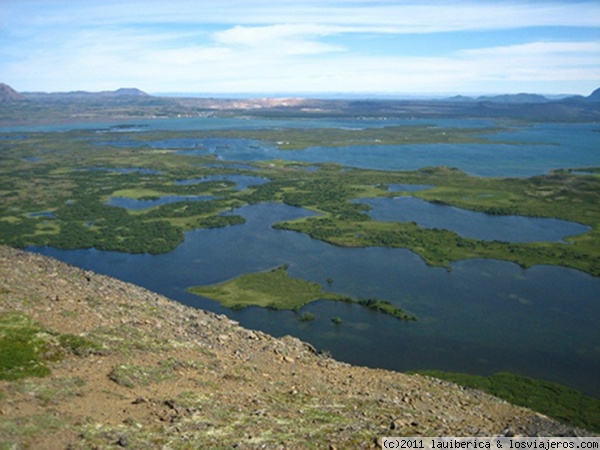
[553, 399]
[55, 189]
[275, 289]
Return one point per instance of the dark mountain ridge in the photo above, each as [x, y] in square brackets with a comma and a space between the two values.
[83, 95]
[524, 98]
[43, 107]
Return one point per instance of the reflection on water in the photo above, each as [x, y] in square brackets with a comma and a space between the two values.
[482, 317]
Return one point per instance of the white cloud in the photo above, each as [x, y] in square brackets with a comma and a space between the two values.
[284, 39]
[537, 48]
[260, 45]
[395, 15]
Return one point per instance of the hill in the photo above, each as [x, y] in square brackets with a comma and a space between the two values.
[132, 103]
[515, 98]
[594, 96]
[115, 364]
[121, 93]
[8, 94]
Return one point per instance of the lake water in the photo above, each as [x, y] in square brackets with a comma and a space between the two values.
[537, 149]
[483, 316]
[471, 224]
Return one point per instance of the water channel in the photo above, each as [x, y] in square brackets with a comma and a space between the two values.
[482, 316]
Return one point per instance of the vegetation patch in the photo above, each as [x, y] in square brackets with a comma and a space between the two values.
[553, 399]
[23, 344]
[298, 139]
[59, 182]
[26, 347]
[385, 307]
[277, 290]
[307, 317]
[131, 375]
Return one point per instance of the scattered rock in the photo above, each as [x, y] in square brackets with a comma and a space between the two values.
[195, 372]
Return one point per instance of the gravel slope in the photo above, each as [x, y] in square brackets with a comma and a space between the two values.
[169, 376]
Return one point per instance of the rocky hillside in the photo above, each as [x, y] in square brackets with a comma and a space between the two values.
[128, 368]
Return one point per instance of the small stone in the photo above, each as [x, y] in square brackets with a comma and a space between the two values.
[123, 441]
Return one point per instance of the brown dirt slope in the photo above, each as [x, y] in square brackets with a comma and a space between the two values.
[164, 375]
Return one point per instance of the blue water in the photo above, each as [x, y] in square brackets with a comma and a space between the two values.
[400, 187]
[46, 214]
[471, 224]
[537, 149]
[482, 317]
[235, 123]
[540, 147]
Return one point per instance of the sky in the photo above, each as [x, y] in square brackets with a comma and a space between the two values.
[288, 47]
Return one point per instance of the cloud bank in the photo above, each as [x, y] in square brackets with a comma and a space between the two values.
[313, 46]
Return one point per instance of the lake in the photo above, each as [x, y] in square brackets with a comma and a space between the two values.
[471, 224]
[537, 148]
[481, 317]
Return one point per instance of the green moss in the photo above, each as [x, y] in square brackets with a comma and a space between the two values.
[15, 431]
[555, 400]
[130, 375]
[26, 347]
[23, 344]
[79, 345]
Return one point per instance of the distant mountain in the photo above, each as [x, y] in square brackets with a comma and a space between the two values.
[594, 96]
[8, 94]
[125, 93]
[506, 98]
[515, 98]
[461, 99]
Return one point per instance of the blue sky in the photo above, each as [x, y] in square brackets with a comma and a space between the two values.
[287, 47]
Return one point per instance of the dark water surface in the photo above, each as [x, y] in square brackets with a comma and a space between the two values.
[472, 224]
[482, 317]
[532, 149]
